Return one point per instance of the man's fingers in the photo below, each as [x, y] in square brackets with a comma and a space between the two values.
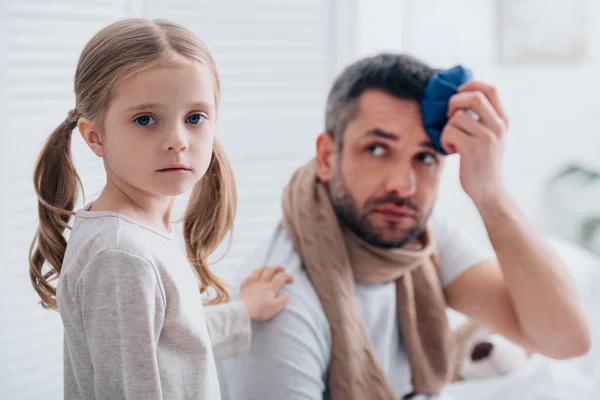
[490, 92]
[480, 105]
[476, 129]
[456, 140]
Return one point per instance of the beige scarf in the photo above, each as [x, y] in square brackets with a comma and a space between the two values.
[334, 258]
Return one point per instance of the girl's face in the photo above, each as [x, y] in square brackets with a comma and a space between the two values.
[158, 129]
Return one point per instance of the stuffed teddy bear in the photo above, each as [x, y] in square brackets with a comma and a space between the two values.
[483, 354]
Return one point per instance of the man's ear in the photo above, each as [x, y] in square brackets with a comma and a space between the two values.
[90, 133]
[326, 149]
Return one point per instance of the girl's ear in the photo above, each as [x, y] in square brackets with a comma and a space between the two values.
[90, 133]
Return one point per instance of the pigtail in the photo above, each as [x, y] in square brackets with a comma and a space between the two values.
[208, 218]
[56, 184]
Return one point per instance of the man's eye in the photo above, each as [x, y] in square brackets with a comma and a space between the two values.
[377, 150]
[427, 158]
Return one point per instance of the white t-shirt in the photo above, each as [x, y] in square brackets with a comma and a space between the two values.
[289, 355]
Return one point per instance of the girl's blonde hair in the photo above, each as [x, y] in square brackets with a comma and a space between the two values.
[117, 51]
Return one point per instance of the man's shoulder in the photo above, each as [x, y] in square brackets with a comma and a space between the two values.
[278, 250]
[293, 348]
[458, 250]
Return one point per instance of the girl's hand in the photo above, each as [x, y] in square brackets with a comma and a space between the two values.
[260, 292]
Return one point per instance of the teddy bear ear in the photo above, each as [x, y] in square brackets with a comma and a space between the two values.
[492, 356]
[481, 351]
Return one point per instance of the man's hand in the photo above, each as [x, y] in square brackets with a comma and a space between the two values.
[527, 294]
[480, 142]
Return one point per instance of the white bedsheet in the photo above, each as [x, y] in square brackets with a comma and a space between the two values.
[542, 377]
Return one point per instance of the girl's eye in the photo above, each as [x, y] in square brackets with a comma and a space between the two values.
[376, 150]
[195, 119]
[145, 120]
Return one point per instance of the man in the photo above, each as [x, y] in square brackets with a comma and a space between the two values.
[373, 273]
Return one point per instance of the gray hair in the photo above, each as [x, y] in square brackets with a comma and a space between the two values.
[399, 75]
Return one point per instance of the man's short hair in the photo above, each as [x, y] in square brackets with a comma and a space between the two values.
[399, 75]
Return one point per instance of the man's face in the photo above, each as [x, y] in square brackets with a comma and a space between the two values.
[383, 182]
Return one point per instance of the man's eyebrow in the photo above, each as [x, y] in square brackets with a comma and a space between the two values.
[382, 134]
[427, 143]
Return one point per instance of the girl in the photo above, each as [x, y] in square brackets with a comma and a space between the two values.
[146, 102]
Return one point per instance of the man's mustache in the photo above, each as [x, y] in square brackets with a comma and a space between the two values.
[394, 199]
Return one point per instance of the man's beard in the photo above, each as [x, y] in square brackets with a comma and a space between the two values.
[358, 222]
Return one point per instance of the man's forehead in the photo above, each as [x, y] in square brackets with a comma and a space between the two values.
[377, 103]
[379, 111]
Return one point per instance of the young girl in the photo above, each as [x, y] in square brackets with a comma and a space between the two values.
[146, 102]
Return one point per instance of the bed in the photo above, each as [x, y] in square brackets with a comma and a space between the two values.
[542, 377]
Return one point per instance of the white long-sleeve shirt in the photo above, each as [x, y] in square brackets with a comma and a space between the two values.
[134, 322]
[229, 329]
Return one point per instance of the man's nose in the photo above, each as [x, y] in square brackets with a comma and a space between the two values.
[402, 180]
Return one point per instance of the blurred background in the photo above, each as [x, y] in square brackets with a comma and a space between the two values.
[277, 59]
